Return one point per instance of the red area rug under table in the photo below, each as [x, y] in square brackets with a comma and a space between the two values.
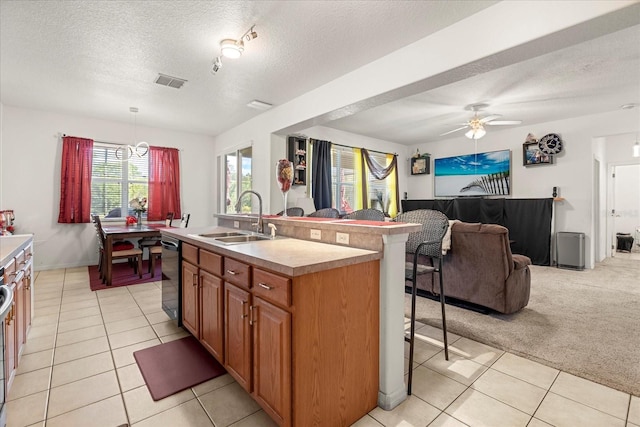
[123, 275]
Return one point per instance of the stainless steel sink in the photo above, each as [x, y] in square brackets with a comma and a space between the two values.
[222, 234]
[240, 239]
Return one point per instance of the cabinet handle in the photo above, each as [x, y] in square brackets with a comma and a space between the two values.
[22, 262]
[231, 272]
[242, 316]
[251, 317]
[195, 279]
[265, 286]
[13, 274]
[9, 317]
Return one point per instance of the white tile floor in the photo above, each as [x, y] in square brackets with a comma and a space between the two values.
[78, 370]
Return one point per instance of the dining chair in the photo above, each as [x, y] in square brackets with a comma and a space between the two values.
[132, 254]
[325, 213]
[294, 211]
[155, 253]
[424, 249]
[366, 214]
[184, 221]
[149, 242]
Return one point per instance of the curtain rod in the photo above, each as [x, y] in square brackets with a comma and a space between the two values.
[105, 142]
[95, 140]
[347, 146]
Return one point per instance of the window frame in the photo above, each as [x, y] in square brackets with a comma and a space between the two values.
[124, 181]
[228, 197]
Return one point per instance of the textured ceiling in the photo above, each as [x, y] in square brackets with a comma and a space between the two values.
[98, 58]
[592, 77]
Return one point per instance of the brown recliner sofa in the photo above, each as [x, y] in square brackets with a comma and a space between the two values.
[479, 268]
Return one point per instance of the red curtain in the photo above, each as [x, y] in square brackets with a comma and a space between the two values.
[164, 183]
[75, 180]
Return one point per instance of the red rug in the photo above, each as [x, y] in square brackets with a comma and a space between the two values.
[175, 366]
[123, 275]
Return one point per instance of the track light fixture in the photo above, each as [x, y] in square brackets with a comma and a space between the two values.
[217, 64]
[231, 48]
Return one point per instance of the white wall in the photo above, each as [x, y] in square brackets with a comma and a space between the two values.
[30, 178]
[422, 64]
[572, 170]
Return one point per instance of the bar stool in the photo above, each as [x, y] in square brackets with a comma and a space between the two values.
[422, 245]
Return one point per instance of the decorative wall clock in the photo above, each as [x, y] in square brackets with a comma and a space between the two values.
[550, 144]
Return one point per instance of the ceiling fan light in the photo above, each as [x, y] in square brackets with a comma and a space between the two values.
[476, 133]
[230, 48]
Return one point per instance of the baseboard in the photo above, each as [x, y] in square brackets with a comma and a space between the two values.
[452, 301]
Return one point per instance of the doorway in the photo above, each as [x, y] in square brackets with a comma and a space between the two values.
[625, 205]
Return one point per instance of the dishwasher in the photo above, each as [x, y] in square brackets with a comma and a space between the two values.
[171, 294]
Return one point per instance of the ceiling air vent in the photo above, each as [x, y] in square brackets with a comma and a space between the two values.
[170, 81]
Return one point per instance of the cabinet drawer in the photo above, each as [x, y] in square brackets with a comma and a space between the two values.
[273, 288]
[9, 271]
[20, 261]
[189, 253]
[237, 272]
[211, 262]
[28, 252]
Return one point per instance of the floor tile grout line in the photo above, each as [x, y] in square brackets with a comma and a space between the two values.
[113, 360]
[53, 356]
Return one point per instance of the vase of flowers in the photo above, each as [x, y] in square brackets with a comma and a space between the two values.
[284, 176]
[139, 206]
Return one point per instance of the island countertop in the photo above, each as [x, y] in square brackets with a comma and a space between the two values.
[11, 245]
[286, 255]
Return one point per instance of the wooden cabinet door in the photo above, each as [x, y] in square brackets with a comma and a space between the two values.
[237, 334]
[272, 360]
[211, 320]
[10, 347]
[190, 306]
[27, 301]
[19, 316]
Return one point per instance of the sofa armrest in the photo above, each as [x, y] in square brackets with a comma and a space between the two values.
[520, 261]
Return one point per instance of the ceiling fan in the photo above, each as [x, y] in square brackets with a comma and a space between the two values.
[476, 123]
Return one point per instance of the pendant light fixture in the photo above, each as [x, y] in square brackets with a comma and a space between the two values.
[138, 149]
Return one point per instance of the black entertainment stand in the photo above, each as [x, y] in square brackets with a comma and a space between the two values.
[528, 220]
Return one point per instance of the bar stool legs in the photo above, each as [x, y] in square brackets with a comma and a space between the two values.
[412, 332]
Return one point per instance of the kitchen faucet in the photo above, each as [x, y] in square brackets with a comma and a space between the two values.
[259, 224]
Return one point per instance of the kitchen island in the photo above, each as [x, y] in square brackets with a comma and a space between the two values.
[295, 322]
[387, 237]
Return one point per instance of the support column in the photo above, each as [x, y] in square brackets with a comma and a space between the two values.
[392, 389]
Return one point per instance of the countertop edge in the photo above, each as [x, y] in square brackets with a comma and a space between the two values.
[237, 252]
[12, 245]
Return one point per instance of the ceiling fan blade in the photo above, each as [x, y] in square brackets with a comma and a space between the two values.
[455, 130]
[489, 118]
[504, 122]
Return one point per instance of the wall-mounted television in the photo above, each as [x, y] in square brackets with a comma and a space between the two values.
[479, 174]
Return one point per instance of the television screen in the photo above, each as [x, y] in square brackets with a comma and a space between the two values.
[480, 174]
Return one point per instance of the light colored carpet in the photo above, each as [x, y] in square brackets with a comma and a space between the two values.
[586, 323]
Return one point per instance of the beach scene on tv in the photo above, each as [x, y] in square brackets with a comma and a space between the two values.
[479, 174]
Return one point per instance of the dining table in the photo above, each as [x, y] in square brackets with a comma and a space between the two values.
[113, 233]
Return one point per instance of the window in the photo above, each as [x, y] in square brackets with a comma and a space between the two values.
[115, 182]
[238, 175]
[346, 181]
[343, 179]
